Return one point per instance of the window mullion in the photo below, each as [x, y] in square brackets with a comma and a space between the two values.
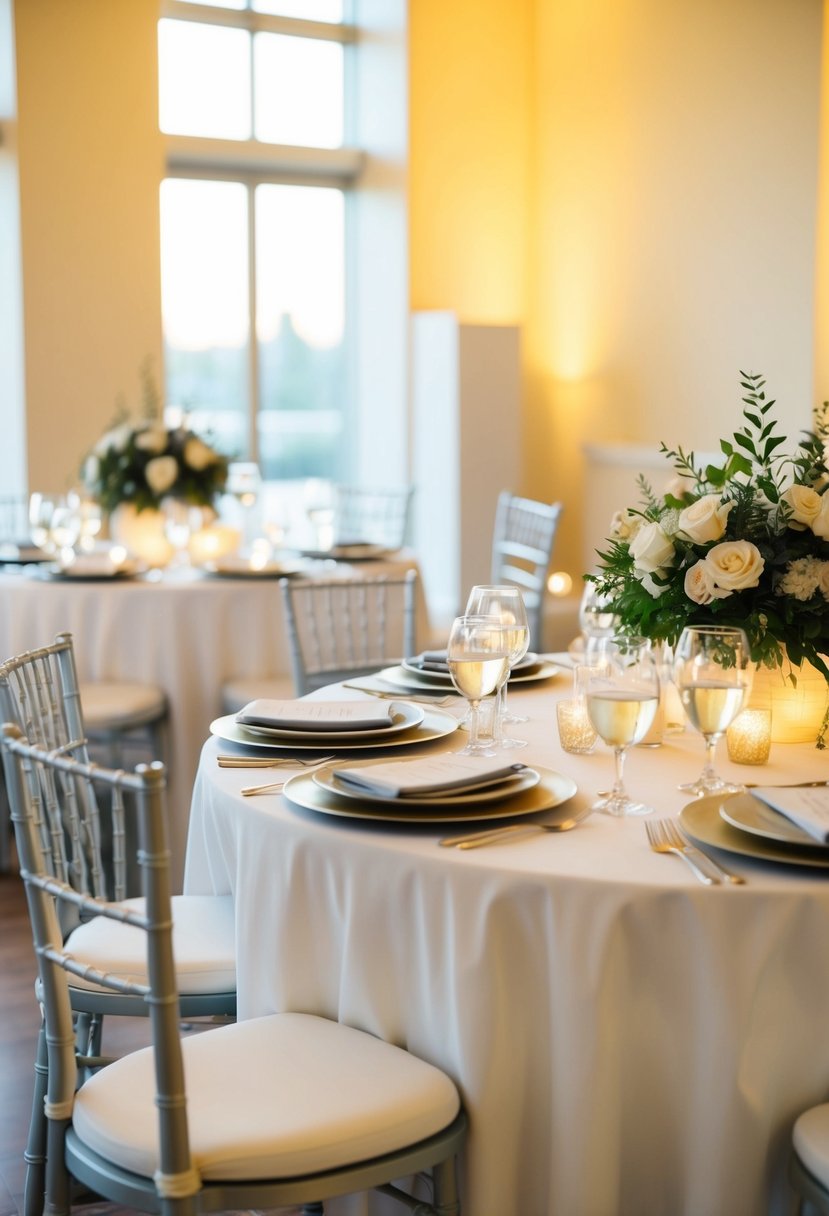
[253, 340]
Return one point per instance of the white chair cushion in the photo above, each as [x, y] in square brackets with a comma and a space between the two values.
[237, 693]
[203, 945]
[811, 1141]
[110, 705]
[268, 1098]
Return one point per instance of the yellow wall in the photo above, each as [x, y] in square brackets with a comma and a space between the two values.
[469, 157]
[669, 206]
[90, 163]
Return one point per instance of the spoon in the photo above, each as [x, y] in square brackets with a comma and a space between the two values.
[509, 831]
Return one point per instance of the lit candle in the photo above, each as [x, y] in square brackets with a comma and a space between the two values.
[576, 732]
[749, 737]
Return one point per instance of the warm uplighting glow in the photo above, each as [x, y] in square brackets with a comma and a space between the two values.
[559, 583]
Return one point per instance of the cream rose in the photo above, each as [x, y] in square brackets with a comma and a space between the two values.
[700, 586]
[734, 565]
[823, 580]
[651, 549]
[705, 519]
[161, 473]
[805, 504]
[820, 524]
[113, 441]
[197, 454]
[653, 588]
[153, 439]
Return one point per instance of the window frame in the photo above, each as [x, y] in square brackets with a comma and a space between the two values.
[253, 162]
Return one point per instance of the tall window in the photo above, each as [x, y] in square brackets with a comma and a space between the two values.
[254, 227]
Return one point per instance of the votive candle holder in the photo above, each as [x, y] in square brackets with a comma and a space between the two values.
[576, 732]
[748, 738]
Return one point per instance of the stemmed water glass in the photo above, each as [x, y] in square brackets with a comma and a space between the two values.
[505, 604]
[597, 624]
[622, 695]
[712, 673]
[478, 659]
[244, 483]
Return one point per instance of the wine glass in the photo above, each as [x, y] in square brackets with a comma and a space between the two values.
[713, 675]
[244, 483]
[41, 509]
[181, 520]
[320, 501]
[597, 624]
[622, 694]
[504, 604]
[478, 659]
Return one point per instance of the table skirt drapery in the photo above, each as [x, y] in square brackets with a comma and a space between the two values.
[626, 1041]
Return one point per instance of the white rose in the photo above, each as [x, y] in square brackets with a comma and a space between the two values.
[679, 486]
[820, 524]
[161, 473]
[113, 441]
[153, 439]
[700, 586]
[91, 469]
[651, 549]
[823, 580]
[705, 519]
[735, 564]
[805, 504]
[197, 454]
[653, 588]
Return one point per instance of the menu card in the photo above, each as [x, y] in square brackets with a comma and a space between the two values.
[317, 715]
[439, 775]
[807, 808]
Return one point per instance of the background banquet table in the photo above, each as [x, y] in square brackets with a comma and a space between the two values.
[625, 1039]
[184, 631]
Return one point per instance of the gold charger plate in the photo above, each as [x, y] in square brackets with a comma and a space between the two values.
[326, 778]
[552, 790]
[435, 725]
[702, 821]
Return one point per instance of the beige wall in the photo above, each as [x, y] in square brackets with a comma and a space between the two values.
[670, 211]
[90, 163]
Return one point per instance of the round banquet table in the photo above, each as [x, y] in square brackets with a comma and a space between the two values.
[183, 630]
[625, 1040]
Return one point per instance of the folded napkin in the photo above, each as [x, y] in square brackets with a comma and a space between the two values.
[808, 809]
[433, 660]
[96, 564]
[316, 715]
[439, 775]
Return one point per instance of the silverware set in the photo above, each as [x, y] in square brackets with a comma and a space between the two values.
[666, 836]
[506, 833]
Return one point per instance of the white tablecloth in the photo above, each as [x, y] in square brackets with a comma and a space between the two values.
[627, 1042]
[186, 632]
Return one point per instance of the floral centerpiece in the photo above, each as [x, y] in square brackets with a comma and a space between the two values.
[144, 462]
[744, 542]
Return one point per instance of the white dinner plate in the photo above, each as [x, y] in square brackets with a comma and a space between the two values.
[351, 553]
[403, 717]
[237, 567]
[327, 779]
[408, 677]
[552, 790]
[435, 725]
[702, 821]
[415, 665]
[750, 814]
[88, 574]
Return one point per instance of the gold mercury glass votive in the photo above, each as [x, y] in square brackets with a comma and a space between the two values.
[749, 737]
[575, 730]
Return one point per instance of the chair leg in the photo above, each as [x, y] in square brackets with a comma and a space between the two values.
[447, 1200]
[58, 1184]
[35, 1151]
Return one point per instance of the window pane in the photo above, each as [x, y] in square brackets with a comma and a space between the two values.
[298, 91]
[204, 301]
[311, 10]
[300, 287]
[204, 80]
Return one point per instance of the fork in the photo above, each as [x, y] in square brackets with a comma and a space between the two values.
[675, 835]
[421, 699]
[660, 844]
[269, 761]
